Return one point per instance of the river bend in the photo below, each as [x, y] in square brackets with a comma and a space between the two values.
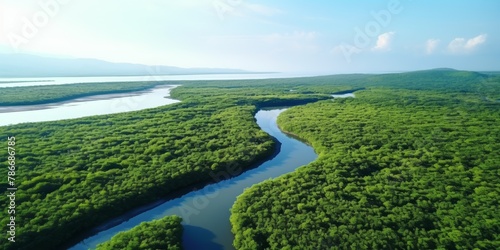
[205, 212]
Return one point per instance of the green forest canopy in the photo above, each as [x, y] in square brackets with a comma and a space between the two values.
[400, 167]
[75, 173]
[164, 233]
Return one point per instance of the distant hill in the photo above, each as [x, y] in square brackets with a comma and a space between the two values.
[24, 65]
[439, 69]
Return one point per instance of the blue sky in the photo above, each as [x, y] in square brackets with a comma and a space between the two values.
[274, 35]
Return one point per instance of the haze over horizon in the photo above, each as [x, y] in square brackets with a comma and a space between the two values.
[321, 36]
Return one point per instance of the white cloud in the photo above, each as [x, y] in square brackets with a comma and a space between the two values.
[431, 45]
[384, 41]
[461, 45]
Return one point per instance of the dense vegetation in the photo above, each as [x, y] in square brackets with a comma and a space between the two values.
[401, 167]
[165, 233]
[56, 93]
[464, 82]
[74, 174]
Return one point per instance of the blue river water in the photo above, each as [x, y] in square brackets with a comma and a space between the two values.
[205, 212]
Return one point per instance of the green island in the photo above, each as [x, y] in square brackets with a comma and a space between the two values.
[411, 162]
[165, 233]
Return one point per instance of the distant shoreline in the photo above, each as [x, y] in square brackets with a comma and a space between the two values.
[7, 82]
[125, 75]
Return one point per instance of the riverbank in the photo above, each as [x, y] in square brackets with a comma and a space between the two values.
[84, 98]
[178, 194]
[205, 211]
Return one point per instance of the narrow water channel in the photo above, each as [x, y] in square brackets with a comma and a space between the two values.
[205, 212]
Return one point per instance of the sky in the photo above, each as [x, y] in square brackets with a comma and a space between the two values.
[274, 35]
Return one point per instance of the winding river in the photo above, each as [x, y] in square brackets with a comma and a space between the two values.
[205, 212]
